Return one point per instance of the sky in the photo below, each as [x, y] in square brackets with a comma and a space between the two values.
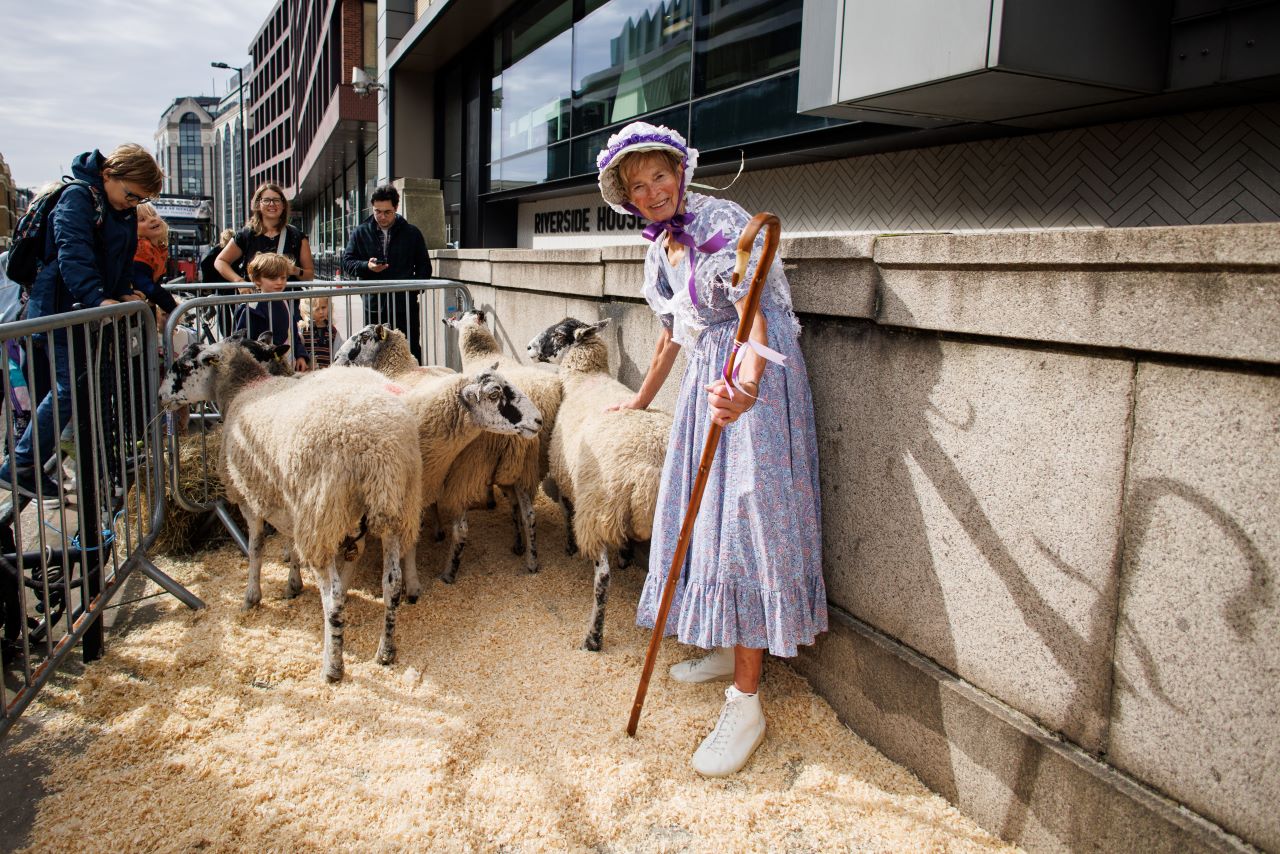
[83, 74]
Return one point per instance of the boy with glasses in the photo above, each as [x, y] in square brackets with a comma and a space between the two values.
[88, 261]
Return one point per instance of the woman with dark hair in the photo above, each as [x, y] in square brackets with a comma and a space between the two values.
[268, 231]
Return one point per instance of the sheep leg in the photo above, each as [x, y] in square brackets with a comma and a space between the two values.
[295, 572]
[517, 523]
[570, 541]
[450, 573]
[392, 586]
[333, 596]
[409, 562]
[524, 501]
[595, 634]
[438, 528]
[253, 593]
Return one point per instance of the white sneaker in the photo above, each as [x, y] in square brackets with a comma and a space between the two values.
[714, 666]
[736, 736]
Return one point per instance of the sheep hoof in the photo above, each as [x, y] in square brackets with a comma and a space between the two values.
[251, 601]
[293, 591]
[447, 578]
[439, 536]
[412, 600]
[387, 656]
[333, 676]
[570, 549]
[517, 549]
[591, 644]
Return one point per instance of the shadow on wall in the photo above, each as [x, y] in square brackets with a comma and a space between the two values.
[887, 557]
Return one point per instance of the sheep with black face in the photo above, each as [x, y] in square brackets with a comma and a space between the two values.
[606, 465]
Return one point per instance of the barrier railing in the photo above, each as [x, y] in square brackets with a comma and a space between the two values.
[214, 311]
[82, 489]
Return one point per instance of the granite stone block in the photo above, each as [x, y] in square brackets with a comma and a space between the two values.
[1197, 653]
[971, 500]
[1011, 776]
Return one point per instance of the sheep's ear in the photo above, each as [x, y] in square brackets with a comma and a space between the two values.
[239, 335]
[280, 350]
[265, 338]
[494, 366]
[382, 332]
[471, 394]
[584, 332]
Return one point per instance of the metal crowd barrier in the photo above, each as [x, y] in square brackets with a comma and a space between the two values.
[69, 542]
[211, 312]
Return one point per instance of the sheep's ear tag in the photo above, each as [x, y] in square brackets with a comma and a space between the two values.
[382, 332]
[212, 359]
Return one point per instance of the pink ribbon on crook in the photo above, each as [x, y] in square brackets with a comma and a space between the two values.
[766, 353]
[675, 227]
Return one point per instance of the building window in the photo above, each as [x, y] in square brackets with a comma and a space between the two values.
[630, 57]
[743, 40]
[190, 156]
[722, 72]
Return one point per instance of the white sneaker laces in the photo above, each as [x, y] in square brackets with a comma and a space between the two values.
[727, 723]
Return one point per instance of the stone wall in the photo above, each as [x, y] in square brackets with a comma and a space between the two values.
[1051, 475]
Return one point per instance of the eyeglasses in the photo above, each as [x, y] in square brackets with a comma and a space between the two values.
[134, 199]
[270, 203]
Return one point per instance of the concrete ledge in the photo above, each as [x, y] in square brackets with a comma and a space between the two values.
[569, 272]
[1246, 245]
[1211, 291]
[998, 767]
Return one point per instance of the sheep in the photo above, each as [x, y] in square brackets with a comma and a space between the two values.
[386, 350]
[606, 466]
[320, 458]
[442, 436]
[516, 465]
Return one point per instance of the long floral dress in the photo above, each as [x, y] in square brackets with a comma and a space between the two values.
[753, 576]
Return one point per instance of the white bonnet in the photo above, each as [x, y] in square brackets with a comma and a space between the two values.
[639, 136]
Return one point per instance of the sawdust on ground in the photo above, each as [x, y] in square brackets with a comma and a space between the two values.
[493, 731]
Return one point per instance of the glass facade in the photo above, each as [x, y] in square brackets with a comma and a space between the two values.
[190, 156]
[566, 75]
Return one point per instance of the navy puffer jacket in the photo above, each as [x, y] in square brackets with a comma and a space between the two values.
[89, 264]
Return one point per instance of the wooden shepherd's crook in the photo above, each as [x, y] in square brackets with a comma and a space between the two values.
[745, 242]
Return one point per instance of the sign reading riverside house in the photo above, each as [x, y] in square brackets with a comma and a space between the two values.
[576, 221]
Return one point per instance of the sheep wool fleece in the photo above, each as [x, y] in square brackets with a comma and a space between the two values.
[753, 576]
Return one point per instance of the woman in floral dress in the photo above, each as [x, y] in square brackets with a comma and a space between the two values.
[753, 577]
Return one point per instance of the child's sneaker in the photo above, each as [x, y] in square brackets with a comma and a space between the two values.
[714, 666]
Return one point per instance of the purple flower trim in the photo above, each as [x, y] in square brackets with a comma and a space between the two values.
[612, 151]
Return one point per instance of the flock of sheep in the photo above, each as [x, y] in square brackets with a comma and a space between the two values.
[370, 444]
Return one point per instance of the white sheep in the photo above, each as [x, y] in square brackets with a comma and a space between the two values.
[606, 466]
[516, 465]
[320, 458]
[386, 350]
[443, 435]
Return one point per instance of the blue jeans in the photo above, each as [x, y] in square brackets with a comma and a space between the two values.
[26, 453]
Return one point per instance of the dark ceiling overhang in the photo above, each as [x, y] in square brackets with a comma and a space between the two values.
[443, 31]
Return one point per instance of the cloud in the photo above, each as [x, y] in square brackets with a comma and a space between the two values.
[78, 76]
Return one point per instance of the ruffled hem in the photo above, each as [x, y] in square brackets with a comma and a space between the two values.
[727, 614]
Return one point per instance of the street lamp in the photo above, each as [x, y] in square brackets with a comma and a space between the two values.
[244, 131]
